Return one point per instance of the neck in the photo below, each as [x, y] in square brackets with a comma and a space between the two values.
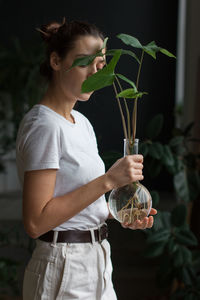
[55, 99]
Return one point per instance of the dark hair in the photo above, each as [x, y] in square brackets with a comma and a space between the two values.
[60, 37]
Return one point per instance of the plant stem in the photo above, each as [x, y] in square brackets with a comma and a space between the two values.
[134, 114]
[127, 112]
[121, 112]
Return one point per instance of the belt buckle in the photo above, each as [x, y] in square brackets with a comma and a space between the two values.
[102, 230]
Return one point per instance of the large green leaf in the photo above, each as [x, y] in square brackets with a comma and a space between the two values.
[186, 238]
[156, 150]
[130, 40]
[167, 157]
[124, 51]
[151, 49]
[131, 94]
[154, 127]
[166, 52]
[172, 245]
[86, 60]
[181, 185]
[104, 43]
[160, 236]
[103, 77]
[127, 80]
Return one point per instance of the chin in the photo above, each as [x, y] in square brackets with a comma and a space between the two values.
[85, 96]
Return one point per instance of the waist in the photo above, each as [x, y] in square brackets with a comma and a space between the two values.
[76, 236]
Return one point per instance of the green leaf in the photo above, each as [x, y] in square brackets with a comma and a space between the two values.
[172, 246]
[178, 258]
[112, 64]
[156, 150]
[151, 49]
[103, 77]
[181, 186]
[167, 157]
[126, 52]
[131, 94]
[186, 278]
[104, 43]
[178, 215]
[84, 61]
[130, 40]
[154, 127]
[166, 52]
[186, 238]
[160, 236]
[128, 81]
[176, 141]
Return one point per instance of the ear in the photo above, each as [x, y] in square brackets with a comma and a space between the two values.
[55, 61]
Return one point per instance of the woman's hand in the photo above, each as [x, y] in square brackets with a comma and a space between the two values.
[147, 222]
[125, 170]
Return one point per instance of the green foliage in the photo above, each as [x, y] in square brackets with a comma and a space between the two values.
[103, 77]
[20, 88]
[151, 48]
[171, 239]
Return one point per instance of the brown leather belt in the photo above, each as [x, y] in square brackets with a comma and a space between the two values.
[76, 236]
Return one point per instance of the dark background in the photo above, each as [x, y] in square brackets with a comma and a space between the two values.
[147, 20]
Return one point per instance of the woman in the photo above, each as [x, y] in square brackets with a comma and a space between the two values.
[64, 179]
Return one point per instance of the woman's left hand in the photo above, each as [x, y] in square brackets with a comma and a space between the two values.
[147, 222]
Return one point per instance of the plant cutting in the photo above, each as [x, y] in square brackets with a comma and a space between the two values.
[131, 202]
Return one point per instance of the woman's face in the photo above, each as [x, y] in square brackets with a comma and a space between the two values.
[70, 82]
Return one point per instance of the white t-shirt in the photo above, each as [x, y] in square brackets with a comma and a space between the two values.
[46, 140]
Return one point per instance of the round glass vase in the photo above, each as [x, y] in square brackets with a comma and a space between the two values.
[133, 201]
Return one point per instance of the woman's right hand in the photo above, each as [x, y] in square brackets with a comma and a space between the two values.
[125, 170]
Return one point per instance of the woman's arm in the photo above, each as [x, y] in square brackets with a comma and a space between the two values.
[43, 212]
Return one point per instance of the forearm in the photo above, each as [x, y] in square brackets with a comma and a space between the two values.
[60, 209]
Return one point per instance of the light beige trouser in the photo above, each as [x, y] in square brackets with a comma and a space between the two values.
[68, 271]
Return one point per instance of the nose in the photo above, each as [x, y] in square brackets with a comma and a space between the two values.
[92, 69]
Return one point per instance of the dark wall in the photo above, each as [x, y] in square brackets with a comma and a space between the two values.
[145, 19]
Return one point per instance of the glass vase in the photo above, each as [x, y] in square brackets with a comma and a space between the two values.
[133, 201]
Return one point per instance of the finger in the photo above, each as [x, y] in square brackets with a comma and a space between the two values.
[137, 171]
[144, 223]
[150, 222]
[129, 225]
[137, 157]
[153, 211]
[138, 166]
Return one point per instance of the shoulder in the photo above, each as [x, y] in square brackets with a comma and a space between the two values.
[37, 117]
[37, 125]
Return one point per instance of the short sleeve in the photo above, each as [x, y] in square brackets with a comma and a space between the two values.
[41, 148]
